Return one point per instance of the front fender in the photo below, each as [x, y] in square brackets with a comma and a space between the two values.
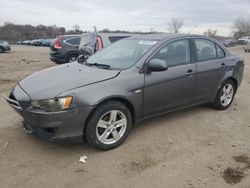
[120, 87]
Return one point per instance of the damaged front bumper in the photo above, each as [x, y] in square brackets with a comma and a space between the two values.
[64, 126]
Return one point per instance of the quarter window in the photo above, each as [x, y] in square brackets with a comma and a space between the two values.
[220, 52]
[205, 49]
[175, 53]
[74, 41]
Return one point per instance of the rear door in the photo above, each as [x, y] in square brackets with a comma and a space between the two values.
[211, 68]
[174, 87]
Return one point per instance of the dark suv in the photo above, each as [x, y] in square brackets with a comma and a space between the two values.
[65, 48]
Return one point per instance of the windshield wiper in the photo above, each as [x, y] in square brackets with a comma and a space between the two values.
[98, 65]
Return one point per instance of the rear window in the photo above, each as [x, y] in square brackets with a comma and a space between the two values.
[116, 38]
[73, 41]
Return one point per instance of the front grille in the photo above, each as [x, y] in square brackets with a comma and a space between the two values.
[44, 133]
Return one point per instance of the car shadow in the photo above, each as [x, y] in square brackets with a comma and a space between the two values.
[19, 138]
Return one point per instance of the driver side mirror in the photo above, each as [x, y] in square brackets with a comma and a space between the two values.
[157, 65]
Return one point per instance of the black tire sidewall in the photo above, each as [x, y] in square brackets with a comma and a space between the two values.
[90, 131]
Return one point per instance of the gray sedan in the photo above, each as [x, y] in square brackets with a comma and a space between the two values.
[99, 99]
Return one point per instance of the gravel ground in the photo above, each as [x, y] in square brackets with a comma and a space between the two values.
[197, 147]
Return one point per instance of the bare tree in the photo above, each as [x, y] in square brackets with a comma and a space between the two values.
[14, 32]
[241, 27]
[175, 25]
[210, 32]
[76, 28]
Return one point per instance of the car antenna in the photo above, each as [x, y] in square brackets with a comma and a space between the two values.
[193, 28]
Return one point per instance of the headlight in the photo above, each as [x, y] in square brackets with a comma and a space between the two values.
[52, 105]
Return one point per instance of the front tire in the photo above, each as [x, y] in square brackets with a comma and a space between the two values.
[225, 95]
[108, 126]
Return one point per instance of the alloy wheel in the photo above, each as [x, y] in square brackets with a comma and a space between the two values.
[72, 59]
[111, 127]
[227, 94]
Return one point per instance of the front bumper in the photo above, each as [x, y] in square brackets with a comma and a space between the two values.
[64, 126]
[7, 48]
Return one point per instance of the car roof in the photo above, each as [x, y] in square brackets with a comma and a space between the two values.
[117, 34]
[163, 36]
[67, 36]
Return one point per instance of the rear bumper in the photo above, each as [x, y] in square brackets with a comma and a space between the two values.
[56, 58]
[66, 126]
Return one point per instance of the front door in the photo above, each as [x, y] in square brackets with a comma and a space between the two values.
[174, 87]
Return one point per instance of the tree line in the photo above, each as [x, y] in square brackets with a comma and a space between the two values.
[15, 32]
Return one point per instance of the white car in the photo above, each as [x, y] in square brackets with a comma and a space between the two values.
[244, 40]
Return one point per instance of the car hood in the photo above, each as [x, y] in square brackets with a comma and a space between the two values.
[55, 80]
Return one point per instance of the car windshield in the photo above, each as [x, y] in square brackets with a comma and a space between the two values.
[122, 54]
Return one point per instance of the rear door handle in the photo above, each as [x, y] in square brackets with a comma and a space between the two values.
[189, 72]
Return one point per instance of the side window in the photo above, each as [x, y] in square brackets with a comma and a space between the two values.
[220, 52]
[205, 49]
[77, 40]
[175, 53]
[74, 41]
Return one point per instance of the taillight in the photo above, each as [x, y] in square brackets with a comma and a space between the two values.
[57, 43]
[99, 43]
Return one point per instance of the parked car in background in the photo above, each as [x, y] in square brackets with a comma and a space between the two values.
[26, 42]
[65, 48]
[4, 46]
[229, 42]
[135, 78]
[45, 42]
[244, 40]
[36, 42]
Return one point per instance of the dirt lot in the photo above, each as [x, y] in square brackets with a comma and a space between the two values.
[198, 147]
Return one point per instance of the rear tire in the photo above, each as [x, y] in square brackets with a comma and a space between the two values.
[71, 58]
[108, 126]
[225, 95]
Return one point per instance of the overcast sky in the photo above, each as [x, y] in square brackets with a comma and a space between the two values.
[133, 15]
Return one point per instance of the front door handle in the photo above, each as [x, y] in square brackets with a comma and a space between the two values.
[189, 72]
[223, 65]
